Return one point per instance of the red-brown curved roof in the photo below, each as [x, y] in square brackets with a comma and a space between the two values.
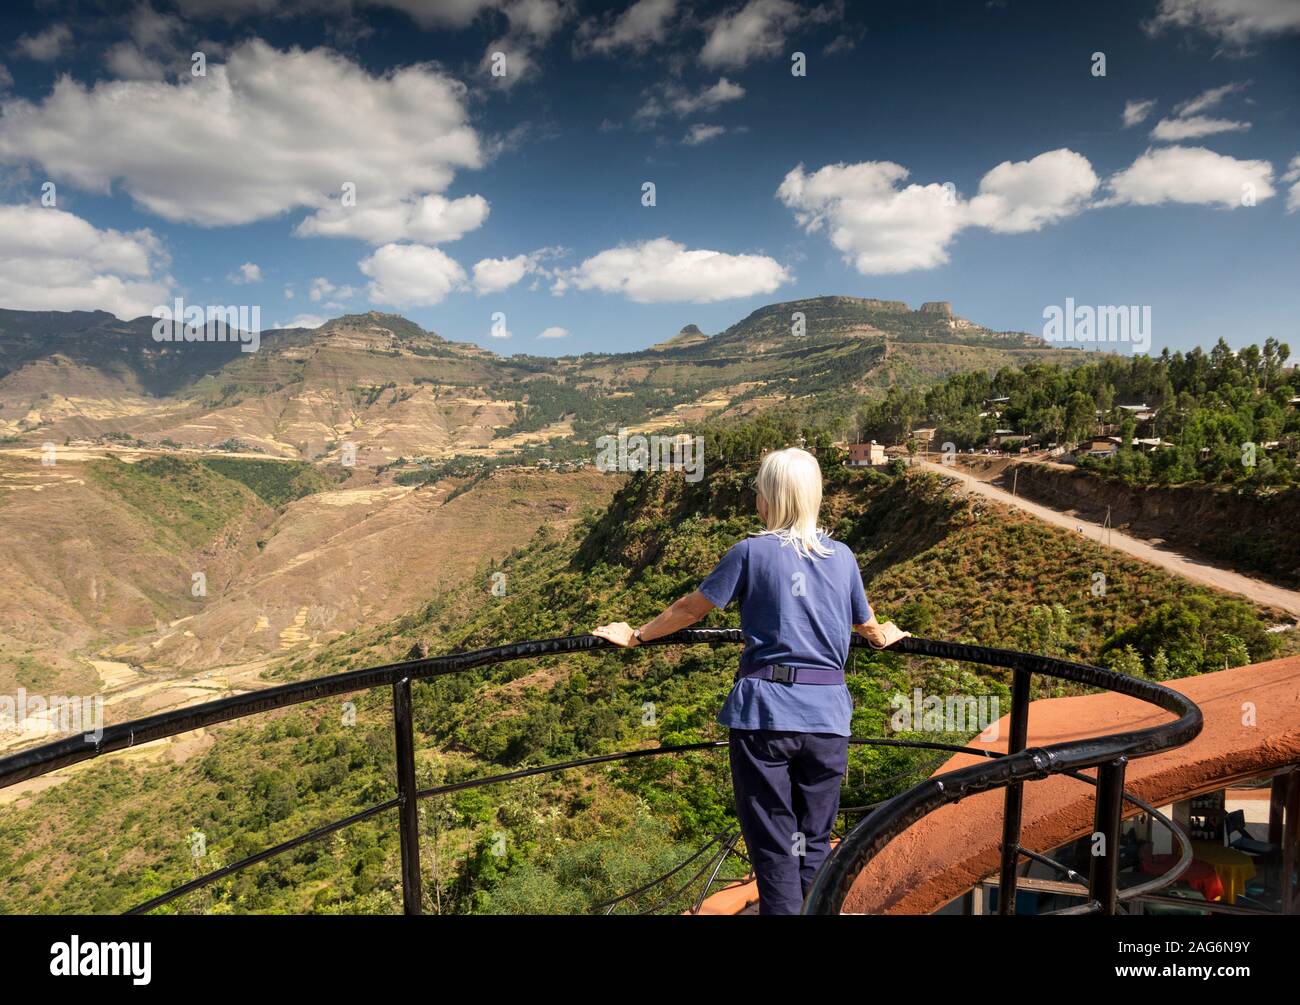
[943, 855]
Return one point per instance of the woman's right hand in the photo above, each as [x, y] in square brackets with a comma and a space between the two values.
[882, 636]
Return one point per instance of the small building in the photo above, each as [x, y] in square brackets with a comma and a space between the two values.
[1141, 413]
[1100, 446]
[925, 434]
[867, 455]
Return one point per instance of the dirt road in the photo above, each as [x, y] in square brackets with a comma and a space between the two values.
[1195, 569]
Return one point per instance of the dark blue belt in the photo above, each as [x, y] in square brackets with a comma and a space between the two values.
[794, 675]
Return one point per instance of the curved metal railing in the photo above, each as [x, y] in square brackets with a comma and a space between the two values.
[884, 821]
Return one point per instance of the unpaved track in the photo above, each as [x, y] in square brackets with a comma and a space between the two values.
[1195, 569]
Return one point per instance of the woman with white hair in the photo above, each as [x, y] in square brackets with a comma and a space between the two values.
[789, 712]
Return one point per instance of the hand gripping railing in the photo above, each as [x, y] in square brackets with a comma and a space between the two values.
[1109, 754]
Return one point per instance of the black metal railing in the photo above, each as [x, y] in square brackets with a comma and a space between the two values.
[881, 822]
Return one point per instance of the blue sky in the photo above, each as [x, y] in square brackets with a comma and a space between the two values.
[957, 151]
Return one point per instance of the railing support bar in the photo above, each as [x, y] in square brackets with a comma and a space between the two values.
[1103, 873]
[1015, 796]
[408, 804]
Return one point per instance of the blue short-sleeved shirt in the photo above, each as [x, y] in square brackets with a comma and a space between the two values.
[797, 612]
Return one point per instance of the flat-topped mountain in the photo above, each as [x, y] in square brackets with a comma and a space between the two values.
[386, 386]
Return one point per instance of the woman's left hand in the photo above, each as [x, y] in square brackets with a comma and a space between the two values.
[620, 633]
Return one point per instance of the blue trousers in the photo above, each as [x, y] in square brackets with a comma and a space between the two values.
[787, 789]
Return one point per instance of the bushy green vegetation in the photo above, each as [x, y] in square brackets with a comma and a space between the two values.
[179, 496]
[276, 483]
[1209, 406]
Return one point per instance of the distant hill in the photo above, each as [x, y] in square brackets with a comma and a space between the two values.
[391, 388]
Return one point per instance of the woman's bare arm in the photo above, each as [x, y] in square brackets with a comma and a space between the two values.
[684, 613]
[878, 635]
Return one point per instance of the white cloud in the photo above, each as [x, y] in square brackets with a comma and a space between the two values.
[6, 78]
[305, 321]
[1027, 195]
[661, 270]
[1292, 177]
[264, 133]
[641, 26]
[153, 47]
[323, 289]
[1235, 22]
[555, 331]
[1137, 111]
[1194, 127]
[1190, 175]
[247, 273]
[46, 46]
[492, 275]
[411, 275]
[531, 25]
[54, 260]
[879, 227]
[701, 133]
[1188, 122]
[432, 219]
[675, 98]
[288, 292]
[1206, 100]
[757, 29]
[882, 228]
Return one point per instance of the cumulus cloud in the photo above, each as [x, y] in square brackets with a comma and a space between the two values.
[756, 30]
[492, 275]
[879, 227]
[883, 227]
[531, 23]
[701, 133]
[1027, 195]
[246, 273]
[54, 260]
[636, 29]
[555, 331]
[432, 219]
[411, 275]
[661, 270]
[1236, 23]
[1137, 111]
[262, 134]
[45, 46]
[1190, 175]
[153, 47]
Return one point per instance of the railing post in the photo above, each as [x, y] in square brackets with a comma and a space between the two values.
[1103, 874]
[1015, 797]
[408, 810]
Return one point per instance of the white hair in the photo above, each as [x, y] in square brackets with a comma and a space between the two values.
[790, 482]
